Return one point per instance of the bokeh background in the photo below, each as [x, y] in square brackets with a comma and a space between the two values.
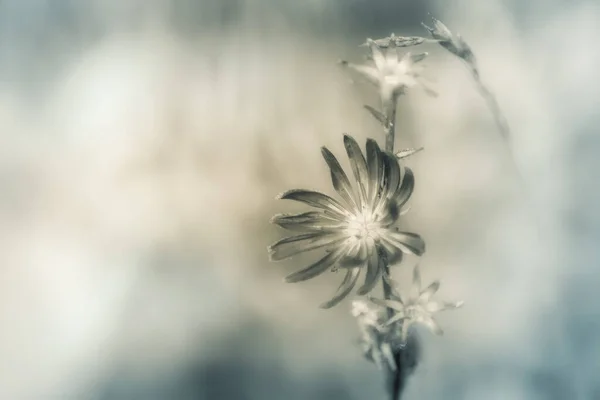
[142, 143]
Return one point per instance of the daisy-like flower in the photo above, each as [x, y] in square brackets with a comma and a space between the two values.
[357, 232]
[391, 74]
[418, 308]
[455, 44]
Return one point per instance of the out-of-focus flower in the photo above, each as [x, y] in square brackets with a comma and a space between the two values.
[455, 44]
[417, 308]
[357, 232]
[373, 337]
[391, 74]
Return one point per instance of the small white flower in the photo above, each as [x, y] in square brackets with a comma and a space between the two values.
[391, 74]
[418, 308]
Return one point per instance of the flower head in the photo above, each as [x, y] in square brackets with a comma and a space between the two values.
[391, 74]
[357, 232]
[417, 308]
[373, 337]
[455, 44]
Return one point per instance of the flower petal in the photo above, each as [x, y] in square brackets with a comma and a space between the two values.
[393, 255]
[344, 289]
[314, 269]
[312, 221]
[391, 176]
[374, 167]
[393, 304]
[406, 188]
[397, 317]
[377, 55]
[290, 246]
[356, 255]
[375, 268]
[407, 242]
[391, 53]
[429, 291]
[370, 74]
[339, 179]
[358, 165]
[437, 306]
[316, 199]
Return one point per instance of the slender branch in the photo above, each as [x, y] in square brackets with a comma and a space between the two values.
[492, 103]
[390, 128]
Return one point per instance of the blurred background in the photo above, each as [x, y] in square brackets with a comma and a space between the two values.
[142, 144]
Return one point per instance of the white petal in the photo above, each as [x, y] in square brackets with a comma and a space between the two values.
[429, 291]
[377, 55]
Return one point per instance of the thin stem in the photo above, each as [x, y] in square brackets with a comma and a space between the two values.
[492, 104]
[390, 136]
[395, 379]
[504, 129]
[390, 129]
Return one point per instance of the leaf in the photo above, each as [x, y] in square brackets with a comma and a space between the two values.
[377, 115]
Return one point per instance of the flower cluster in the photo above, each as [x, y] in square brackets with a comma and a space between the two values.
[357, 232]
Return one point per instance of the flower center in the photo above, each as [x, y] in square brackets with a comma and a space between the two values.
[364, 226]
[413, 311]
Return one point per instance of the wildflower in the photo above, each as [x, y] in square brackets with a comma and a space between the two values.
[391, 74]
[357, 232]
[373, 338]
[455, 44]
[418, 308]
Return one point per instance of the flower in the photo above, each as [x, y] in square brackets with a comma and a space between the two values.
[357, 232]
[373, 337]
[455, 44]
[391, 74]
[418, 308]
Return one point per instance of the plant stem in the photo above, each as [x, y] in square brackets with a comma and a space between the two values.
[390, 129]
[395, 379]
